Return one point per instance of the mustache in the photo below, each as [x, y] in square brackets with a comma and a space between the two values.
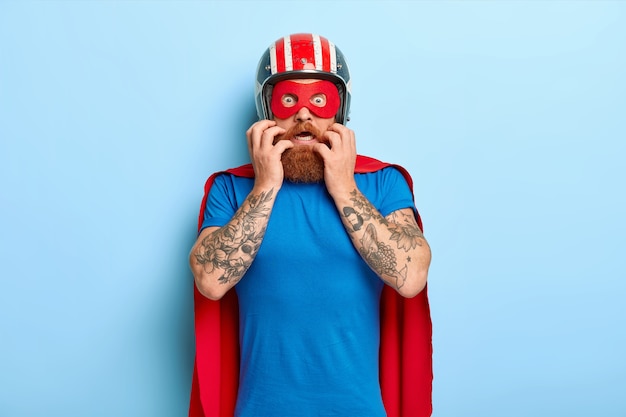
[299, 128]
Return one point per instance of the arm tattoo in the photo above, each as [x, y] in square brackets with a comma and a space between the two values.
[379, 255]
[362, 211]
[405, 231]
[233, 247]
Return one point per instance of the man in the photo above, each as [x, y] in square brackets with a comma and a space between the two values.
[295, 251]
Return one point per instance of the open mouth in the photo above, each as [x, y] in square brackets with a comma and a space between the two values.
[304, 136]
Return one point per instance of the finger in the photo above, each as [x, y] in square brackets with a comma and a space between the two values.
[260, 126]
[255, 132]
[341, 129]
[348, 140]
[283, 145]
[323, 150]
[334, 138]
[268, 136]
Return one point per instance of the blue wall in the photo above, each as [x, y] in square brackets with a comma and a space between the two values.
[510, 116]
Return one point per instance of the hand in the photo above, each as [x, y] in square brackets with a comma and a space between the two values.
[265, 156]
[339, 160]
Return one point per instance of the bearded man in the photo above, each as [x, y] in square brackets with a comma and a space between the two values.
[310, 265]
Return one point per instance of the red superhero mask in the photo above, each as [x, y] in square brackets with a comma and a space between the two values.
[320, 97]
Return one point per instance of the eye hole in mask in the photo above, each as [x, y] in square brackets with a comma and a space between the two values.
[320, 97]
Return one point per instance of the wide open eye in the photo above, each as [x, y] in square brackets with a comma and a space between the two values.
[318, 100]
[289, 100]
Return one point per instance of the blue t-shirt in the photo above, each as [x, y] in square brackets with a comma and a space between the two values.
[309, 304]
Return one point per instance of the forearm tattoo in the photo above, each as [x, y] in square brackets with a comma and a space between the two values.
[405, 231]
[233, 247]
[380, 256]
[361, 212]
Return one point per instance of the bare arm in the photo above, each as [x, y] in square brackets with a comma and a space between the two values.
[221, 256]
[394, 247]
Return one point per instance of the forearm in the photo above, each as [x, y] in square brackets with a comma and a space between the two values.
[394, 247]
[221, 256]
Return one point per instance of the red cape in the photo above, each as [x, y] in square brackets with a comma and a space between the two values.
[405, 343]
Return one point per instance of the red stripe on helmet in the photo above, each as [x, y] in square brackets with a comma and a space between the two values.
[302, 50]
[280, 55]
[325, 54]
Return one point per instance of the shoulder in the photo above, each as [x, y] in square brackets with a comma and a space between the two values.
[387, 178]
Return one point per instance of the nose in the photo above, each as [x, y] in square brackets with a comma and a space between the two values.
[303, 115]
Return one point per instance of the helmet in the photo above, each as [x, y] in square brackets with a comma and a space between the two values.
[302, 55]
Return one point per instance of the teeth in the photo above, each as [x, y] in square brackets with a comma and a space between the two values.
[304, 138]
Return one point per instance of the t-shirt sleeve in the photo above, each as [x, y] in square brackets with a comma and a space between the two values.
[395, 191]
[220, 205]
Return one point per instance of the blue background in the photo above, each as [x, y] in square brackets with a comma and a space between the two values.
[509, 115]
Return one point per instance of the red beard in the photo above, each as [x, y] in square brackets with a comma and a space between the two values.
[301, 163]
